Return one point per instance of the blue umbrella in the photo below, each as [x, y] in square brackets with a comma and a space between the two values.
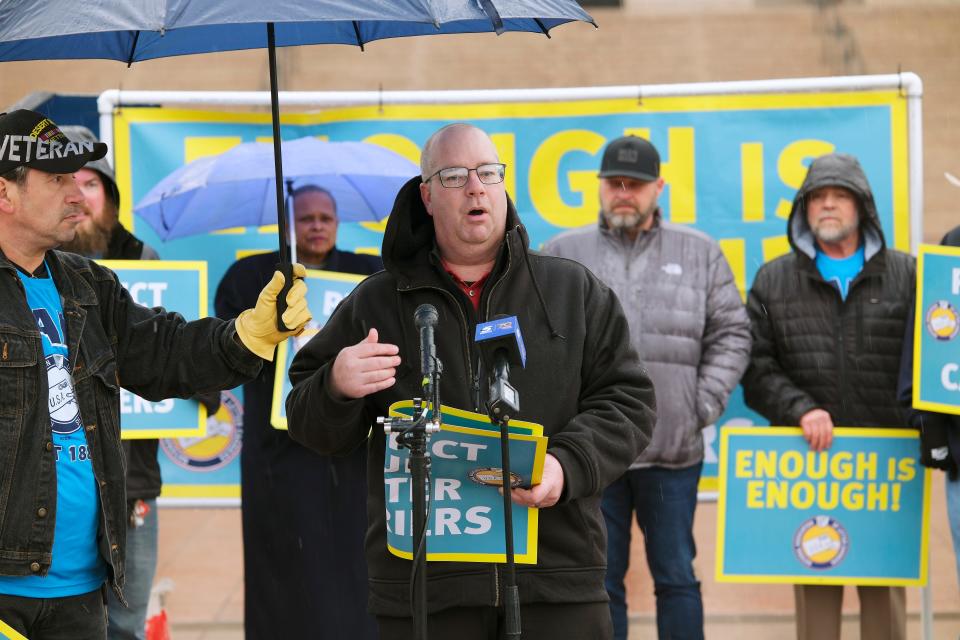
[133, 30]
[237, 188]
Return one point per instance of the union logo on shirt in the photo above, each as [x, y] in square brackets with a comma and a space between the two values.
[64, 411]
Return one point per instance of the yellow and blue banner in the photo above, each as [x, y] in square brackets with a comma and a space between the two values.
[857, 513]
[205, 469]
[936, 350]
[732, 164]
[325, 290]
[465, 519]
[9, 633]
[179, 286]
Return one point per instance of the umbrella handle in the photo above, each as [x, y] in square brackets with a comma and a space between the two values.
[286, 268]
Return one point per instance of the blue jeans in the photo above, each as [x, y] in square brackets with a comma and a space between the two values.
[128, 623]
[664, 501]
[80, 617]
[953, 515]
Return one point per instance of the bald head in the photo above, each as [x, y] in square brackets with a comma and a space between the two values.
[431, 155]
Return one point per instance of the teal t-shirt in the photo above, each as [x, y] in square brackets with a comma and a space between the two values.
[840, 271]
[77, 567]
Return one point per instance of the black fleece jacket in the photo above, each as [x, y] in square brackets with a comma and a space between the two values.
[583, 382]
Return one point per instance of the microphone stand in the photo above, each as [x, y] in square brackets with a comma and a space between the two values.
[414, 434]
[503, 401]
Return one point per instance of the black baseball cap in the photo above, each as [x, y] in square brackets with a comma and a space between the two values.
[630, 157]
[30, 139]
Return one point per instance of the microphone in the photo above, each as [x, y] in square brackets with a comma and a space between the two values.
[501, 345]
[425, 318]
[502, 334]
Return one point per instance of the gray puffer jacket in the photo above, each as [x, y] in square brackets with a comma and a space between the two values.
[687, 321]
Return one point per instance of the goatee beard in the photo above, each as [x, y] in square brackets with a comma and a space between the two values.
[624, 222]
[833, 234]
[629, 221]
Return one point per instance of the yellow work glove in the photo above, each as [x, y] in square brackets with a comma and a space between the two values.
[257, 327]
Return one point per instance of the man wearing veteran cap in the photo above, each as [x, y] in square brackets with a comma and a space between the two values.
[70, 337]
[689, 325]
[100, 235]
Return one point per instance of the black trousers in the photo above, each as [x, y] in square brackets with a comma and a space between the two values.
[539, 621]
[82, 617]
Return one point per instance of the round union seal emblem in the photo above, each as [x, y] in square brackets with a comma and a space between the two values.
[493, 477]
[942, 320]
[821, 542]
[216, 449]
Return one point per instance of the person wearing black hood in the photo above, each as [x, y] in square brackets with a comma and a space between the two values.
[827, 323]
[454, 240]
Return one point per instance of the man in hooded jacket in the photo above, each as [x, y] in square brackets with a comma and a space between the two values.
[828, 323]
[455, 241]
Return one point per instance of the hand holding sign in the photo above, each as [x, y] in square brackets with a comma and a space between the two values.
[817, 429]
[545, 494]
[364, 368]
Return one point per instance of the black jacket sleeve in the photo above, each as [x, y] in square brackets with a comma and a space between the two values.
[617, 406]
[767, 387]
[161, 355]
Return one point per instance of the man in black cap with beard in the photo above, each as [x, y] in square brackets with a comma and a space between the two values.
[689, 325]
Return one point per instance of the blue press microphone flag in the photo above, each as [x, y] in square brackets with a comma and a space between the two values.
[503, 333]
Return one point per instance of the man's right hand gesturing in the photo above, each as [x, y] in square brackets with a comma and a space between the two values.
[364, 368]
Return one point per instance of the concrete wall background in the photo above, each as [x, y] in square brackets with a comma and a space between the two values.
[646, 41]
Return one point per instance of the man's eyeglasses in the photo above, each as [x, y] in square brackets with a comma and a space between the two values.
[456, 177]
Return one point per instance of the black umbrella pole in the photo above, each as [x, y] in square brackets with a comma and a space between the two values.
[284, 267]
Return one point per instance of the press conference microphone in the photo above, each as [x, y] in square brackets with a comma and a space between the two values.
[500, 338]
[501, 345]
[425, 318]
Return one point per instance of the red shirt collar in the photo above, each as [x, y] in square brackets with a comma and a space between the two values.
[471, 290]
